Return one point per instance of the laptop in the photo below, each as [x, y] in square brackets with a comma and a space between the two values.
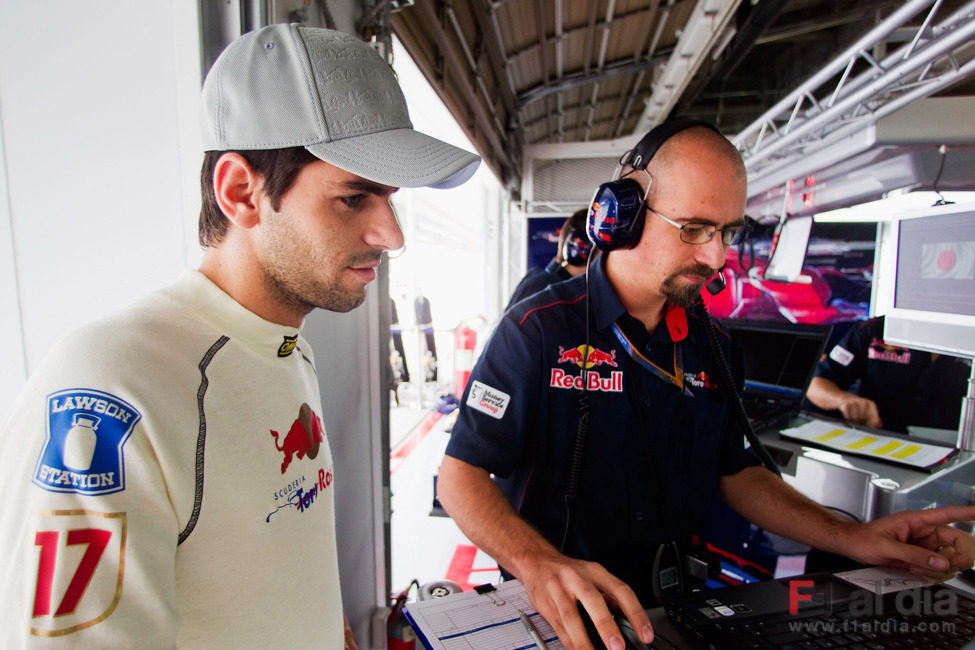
[823, 610]
[780, 361]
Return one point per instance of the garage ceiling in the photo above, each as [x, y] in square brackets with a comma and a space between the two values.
[518, 73]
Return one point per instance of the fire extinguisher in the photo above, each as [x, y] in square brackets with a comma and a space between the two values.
[465, 339]
[399, 634]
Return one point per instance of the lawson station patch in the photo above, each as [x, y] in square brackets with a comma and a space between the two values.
[86, 430]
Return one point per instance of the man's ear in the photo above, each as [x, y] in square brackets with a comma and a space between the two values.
[238, 189]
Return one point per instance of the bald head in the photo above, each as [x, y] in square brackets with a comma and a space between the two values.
[697, 145]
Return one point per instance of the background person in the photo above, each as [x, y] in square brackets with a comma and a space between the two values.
[660, 440]
[570, 260]
[167, 480]
[896, 387]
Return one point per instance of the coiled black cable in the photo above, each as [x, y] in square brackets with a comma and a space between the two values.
[733, 394]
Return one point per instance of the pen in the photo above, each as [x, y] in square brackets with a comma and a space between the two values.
[536, 637]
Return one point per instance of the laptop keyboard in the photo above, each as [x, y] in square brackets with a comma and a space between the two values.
[843, 630]
[764, 413]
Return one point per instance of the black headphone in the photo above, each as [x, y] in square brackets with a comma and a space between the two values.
[577, 248]
[616, 213]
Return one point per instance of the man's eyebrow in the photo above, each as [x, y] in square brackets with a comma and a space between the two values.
[369, 187]
[712, 222]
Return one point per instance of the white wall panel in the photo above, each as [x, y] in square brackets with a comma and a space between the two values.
[91, 122]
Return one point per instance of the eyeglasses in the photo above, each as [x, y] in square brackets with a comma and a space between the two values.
[702, 233]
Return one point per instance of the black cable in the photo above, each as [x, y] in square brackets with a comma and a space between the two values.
[582, 427]
[937, 179]
[747, 242]
[734, 395]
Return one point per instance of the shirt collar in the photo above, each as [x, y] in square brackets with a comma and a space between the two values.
[607, 307]
[605, 303]
[555, 268]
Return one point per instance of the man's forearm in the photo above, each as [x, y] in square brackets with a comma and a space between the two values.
[482, 512]
[826, 394]
[769, 502]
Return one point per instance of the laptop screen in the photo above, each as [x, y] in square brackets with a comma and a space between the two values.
[780, 357]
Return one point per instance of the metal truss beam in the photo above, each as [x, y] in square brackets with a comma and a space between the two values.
[833, 103]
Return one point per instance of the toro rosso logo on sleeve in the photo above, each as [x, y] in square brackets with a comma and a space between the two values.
[595, 357]
[86, 430]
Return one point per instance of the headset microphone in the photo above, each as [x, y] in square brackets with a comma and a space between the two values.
[717, 284]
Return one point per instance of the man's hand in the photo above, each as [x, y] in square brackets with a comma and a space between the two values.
[919, 540]
[556, 584]
[350, 643]
[825, 394]
[860, 410]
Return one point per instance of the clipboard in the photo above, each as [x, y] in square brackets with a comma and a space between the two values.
[487, 617]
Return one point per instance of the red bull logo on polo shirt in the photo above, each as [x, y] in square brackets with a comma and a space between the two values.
[593, 380]
[881, 351]
[303, 438]
[596, 357]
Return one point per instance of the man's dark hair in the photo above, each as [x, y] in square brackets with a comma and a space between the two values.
[279, 169]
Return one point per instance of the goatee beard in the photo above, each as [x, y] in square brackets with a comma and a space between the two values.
[681, 293]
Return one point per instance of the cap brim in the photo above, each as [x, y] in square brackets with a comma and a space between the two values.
[400, 158]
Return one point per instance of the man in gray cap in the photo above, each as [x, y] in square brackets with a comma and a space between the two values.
[167, 478]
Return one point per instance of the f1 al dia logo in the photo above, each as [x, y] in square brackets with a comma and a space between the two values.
[86, 430]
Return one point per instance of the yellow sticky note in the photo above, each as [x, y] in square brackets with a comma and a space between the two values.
[862, 442]
[829, 436]
[907, 451]
[887, 449]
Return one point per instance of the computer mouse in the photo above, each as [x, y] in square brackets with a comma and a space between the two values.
[630, 636]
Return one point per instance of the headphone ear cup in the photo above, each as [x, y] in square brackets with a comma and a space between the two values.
[577, 248]
[616, 215]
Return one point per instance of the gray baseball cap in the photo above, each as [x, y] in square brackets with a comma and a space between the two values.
[287, 85]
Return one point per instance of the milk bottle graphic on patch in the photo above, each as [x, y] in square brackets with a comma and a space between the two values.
[79, 442]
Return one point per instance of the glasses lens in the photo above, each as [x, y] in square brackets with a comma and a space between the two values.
[696, 234]
[731, 236]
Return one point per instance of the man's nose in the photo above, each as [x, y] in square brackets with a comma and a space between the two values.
[385, 232]
[713, 252]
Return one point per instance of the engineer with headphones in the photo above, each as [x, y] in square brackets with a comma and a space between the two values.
[570, 260]
[596, 425]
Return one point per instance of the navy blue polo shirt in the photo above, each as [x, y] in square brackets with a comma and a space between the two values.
[657, 440]
[537, 279]
[910, 387]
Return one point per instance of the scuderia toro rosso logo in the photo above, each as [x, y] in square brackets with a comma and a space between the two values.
[577, 356]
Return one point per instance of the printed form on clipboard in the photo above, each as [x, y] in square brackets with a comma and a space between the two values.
[487, 617]
[870, 444]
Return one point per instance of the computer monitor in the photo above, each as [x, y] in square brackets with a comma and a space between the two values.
[925, 279]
